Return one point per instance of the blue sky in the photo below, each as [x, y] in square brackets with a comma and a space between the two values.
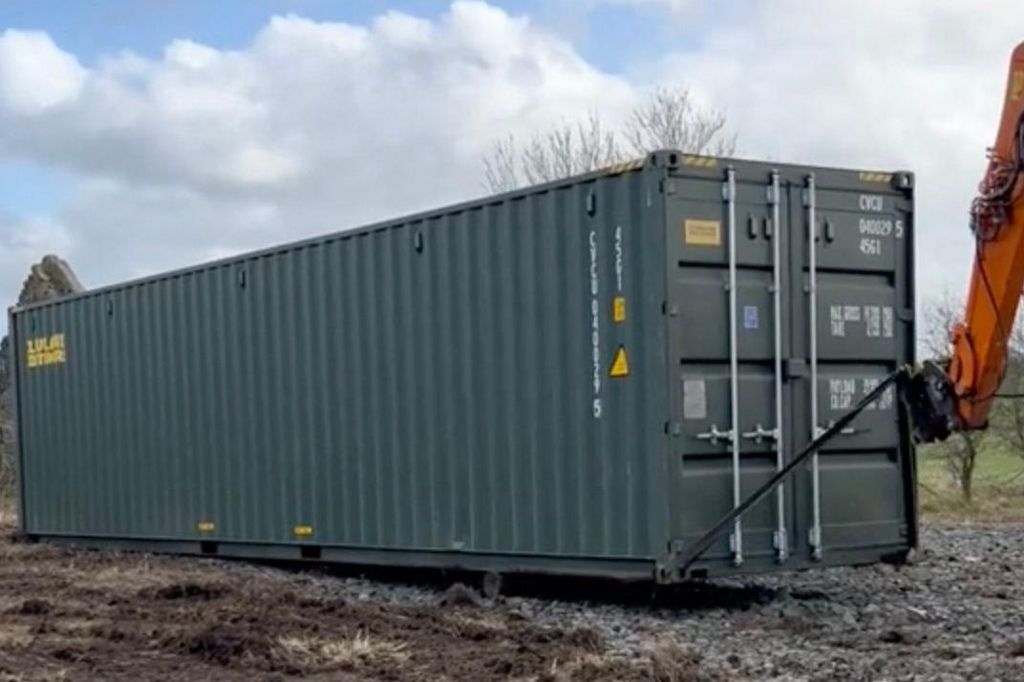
[611, 36]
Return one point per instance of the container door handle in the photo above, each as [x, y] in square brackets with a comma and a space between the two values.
[713, 435]
[760, 434]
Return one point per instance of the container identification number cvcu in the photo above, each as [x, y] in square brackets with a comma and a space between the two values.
[873, 229]
[620, 363]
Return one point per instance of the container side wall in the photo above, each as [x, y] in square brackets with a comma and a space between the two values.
[437, 384]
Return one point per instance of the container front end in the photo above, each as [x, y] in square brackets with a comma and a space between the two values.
[790, 293]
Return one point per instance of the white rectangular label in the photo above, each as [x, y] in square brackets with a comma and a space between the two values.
[695, 399]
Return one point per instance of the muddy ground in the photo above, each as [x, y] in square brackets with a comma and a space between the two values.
[954, 613]
[70, 614]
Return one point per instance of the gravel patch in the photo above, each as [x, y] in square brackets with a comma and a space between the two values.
[953, 612]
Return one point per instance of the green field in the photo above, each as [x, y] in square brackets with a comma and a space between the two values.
[998, 487]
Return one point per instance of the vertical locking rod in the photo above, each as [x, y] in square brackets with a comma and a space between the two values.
[814, 537]
[736, 541]
[781, 543]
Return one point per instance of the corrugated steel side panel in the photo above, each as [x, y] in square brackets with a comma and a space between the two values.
[426, 384]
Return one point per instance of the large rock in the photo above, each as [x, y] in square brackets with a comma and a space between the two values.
[50, 278]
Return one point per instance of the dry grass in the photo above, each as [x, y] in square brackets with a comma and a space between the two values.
[663, 661]
[672, 663]
[582, 667]
[313, 654]
[134, 575]
[48, 676]
[476, 627]
[14, 636]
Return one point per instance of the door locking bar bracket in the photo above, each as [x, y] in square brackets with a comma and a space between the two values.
[713, 435]
[760, 434]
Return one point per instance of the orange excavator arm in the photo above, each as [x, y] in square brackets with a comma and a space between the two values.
[959, 395]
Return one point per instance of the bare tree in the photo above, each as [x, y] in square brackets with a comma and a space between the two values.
[1006, 419]
[960, 452]
[500, 166]
[1008, 414]
[568, 150]
[668, 119]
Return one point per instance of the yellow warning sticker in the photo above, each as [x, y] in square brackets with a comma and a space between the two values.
[302, 531]
[620, 366]
[702, 232]
[1017, 86]
[619, 309]
[206, 527]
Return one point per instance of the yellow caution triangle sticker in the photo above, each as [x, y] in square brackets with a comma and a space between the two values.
[620, 366]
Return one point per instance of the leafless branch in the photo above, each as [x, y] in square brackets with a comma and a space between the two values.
[960, 453]
[500, 167]
[668, 119]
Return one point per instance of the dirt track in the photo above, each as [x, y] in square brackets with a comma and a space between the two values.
[952, 614]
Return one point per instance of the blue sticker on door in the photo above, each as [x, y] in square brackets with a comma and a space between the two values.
[750, 317]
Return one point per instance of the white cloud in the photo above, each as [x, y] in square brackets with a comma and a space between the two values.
[35, 74]
[916, 84]
[314, 126]
[21, 239]
[317, 126]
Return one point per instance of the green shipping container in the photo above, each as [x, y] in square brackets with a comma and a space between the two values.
[579, 377]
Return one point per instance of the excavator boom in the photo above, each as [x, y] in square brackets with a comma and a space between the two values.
[960, 396]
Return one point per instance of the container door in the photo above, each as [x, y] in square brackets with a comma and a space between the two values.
[728, 342]
[751, 382]
[852, 324]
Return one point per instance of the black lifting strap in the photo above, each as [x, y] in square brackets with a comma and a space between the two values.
[697, 549]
